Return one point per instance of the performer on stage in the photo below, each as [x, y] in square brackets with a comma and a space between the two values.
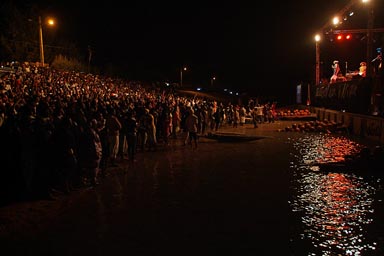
[363, 69]
[378, 62]
[336, 70]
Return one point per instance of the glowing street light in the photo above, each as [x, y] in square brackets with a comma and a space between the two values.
[212, 79]
[181, 75]
[336, 21]
[50, 22]
[317, 40]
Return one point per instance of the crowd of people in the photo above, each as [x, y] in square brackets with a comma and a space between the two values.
[62, 130]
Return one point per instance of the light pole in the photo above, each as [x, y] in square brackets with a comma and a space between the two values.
[212, 79]
[317, 39]
[181, 75]
[369, 42]
[89, 57]
[41, 42]
[51, 22]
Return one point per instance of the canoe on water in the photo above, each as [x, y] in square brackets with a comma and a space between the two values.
[358, 166]
[232, 137]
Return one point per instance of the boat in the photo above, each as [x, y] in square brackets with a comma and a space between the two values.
[232, 137]
[364, 163]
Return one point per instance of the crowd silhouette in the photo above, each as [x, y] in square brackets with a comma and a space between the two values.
[62, 130]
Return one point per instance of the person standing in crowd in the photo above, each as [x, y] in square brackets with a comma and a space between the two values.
[132, 127]
[142, 133]
[103, 134]
[150, 126]
[260, 113]
[235, 117]
[64, 147]
[90, 152]
[269, 112]
[242, 114]
[123, 135]
[44, 129]
[254, 117]
[205, 122]
[175, 121]
[113, 126]
[166, 121]
[184, 115]
[217, 116]
[191, 124]
[94, 173]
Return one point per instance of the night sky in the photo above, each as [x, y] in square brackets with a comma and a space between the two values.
[264, 47]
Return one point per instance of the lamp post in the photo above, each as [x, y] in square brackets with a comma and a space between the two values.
[181, 75]
[317, 39]
[41, 42]
[51, 22]
[369, 42]
[212, 79]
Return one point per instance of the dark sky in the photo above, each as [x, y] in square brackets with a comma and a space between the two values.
[266, 47]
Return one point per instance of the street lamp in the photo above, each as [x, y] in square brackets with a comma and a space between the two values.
[212, 79]
[181, 75]
[50, 22]
[369, 40]
[317, 39]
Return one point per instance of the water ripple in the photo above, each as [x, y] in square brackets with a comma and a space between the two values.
[335, 208]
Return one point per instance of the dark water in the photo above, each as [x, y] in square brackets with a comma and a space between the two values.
[337, 213]
[262, 197]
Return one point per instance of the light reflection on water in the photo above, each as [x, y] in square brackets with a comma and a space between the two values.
[335, 209]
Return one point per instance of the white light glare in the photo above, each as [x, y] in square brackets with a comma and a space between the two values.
[336, 21]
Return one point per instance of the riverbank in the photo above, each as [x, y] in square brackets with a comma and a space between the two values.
[33, 215]
[218, 197]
